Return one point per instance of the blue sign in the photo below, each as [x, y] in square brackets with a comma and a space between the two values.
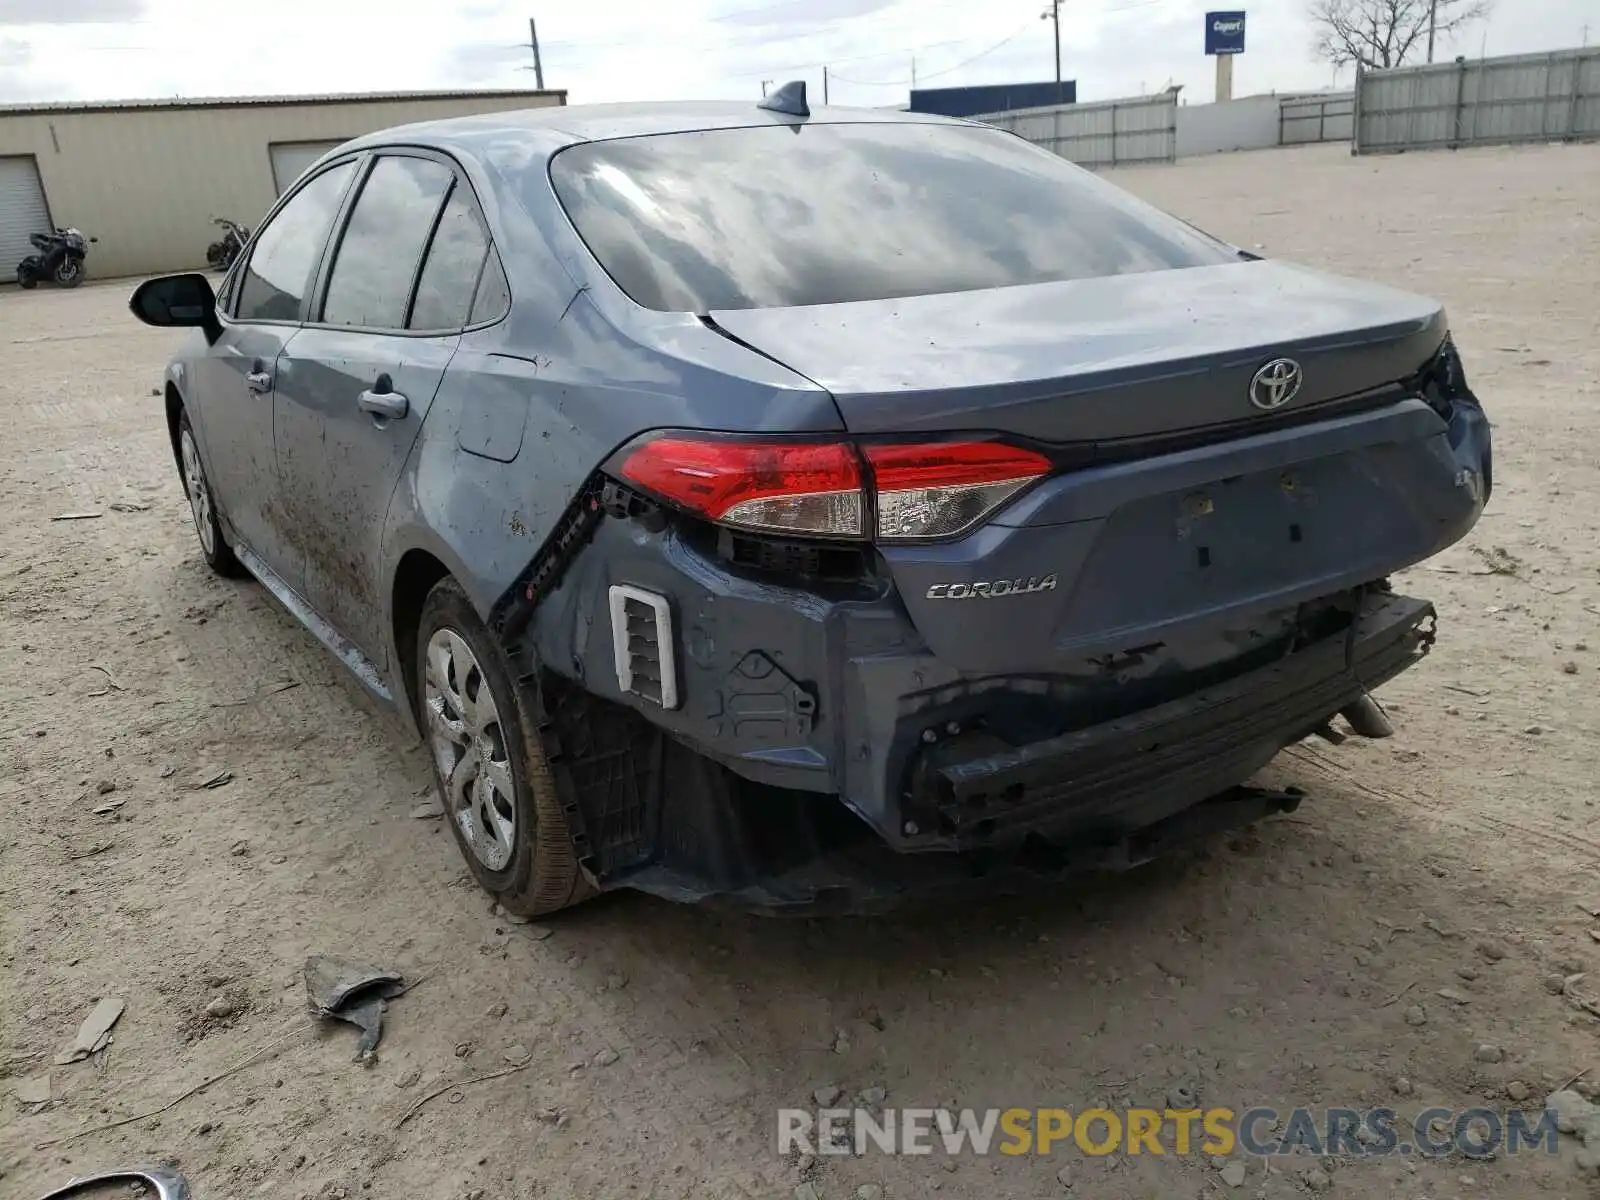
[1225, 33]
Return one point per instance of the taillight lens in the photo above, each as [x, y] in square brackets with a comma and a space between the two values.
[788, 487]
[941, 489]
[923, 490]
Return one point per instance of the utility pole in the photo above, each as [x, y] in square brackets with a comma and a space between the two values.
[824, 85]
[914, 71]
[1433, 25]
[538, 63]
[1053, 15]
[765, 84]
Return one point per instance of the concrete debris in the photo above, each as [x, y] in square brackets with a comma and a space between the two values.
[95, 1031]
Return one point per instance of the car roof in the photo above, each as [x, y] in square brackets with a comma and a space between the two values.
[556, 126]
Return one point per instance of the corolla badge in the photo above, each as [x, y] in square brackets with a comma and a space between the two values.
[1275, 384]
[992, 589]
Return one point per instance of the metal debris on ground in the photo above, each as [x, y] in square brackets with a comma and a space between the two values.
[166, 1185]
[76, 516]
[219, 779]
[342, 990]
[95, 1032]
[129, 506]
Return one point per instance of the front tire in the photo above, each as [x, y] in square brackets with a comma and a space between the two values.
[213, 545]
[69, 273]
[489, 765]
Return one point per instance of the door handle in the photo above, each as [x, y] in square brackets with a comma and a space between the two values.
[259, 381]
[381, 400]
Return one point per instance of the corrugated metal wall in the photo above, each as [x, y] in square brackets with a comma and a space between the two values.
[1490, 101]
[1106, 134]
[1303, 120]
[146, 180]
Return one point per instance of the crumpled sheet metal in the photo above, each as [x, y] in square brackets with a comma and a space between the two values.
[167, 1185]
[356, 992]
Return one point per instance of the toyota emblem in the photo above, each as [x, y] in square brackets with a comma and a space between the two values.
[1276, 384]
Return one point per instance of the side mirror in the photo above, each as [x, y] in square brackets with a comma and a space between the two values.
[177, 300]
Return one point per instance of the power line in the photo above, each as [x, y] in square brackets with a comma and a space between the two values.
[1026, 25]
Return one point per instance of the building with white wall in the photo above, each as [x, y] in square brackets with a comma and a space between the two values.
[145, 177]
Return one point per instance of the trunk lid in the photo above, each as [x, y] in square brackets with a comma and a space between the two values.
[1124, 356]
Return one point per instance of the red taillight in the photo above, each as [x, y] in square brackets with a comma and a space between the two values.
[792, 487]
[923, 490]
[941, 489]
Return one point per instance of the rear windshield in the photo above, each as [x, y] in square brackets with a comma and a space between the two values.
[781, 215]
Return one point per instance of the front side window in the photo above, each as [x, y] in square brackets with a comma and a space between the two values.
[376, 263]
[779, 215]
[279, 272]
[455, 259]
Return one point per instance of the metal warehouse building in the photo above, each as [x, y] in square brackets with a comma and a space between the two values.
[145, 177]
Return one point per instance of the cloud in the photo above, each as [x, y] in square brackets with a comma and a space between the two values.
[803, 12]
[14, 52]
[69, 12]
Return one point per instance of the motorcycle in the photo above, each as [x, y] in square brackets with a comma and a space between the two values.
[220, 254]
[58, 256]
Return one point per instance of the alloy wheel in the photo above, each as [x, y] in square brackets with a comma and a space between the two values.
[469, 747]
[194, 482]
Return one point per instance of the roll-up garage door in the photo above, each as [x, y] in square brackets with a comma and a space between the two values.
[290, 160]
[22, 211]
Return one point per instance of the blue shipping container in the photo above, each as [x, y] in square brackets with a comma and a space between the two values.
[992, 98]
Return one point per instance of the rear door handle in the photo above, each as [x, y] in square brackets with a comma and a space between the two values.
[259, 381]
[388, 404]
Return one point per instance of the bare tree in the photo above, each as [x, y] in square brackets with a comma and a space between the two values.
[1387, 33]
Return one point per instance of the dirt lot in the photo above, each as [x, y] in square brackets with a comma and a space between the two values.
[1299, 963]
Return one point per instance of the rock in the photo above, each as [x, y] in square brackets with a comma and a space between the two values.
[841, 1042]
[1182, 1097]
[221, 1007]
[1317, 1180]
[605, 1058]
[1571, 1109]
[827, 1095]
[1402, 1086]
[1589, 1131]
[495, 1011]
[410, 1079]
[1454, 996]
[239, 849]
[1416, 1016]
[105, 787]
[1064, 1178]
[1554, 984]
[1517, 1090]
[872, 1097]
[1569, 667]
[615, 982]
[517, 1054]
[1489, 1053]
[1467, 973]
[33, 1090]
[869, 1191]
[1533, 730]
[1233, 1175]
[1366, 1137]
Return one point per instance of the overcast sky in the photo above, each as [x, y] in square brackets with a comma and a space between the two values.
[645, 49]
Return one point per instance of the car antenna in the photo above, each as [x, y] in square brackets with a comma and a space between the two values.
[789, 99]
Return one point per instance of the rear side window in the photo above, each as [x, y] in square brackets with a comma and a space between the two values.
[279, 271]
[376, 264]
[780, 215]
[493, 300]
[455, 260]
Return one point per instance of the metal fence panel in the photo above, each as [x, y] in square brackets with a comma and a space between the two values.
[1105, 134]
[1303, 120]
[1491, 101]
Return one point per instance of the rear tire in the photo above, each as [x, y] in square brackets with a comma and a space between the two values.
[26, 280]
[202, 506]
[489, 765]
